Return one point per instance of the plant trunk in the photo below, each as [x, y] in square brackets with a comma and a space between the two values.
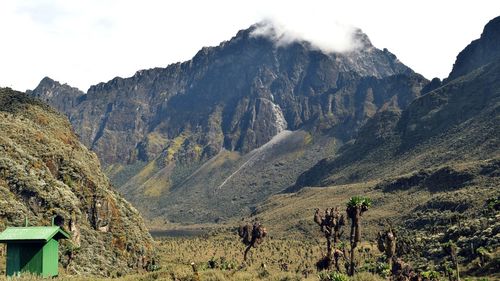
[329, 247]
[456, 268]
[335, 253]
[354, 244]
[351, 263]
[353, 226]
[246, 252]
[336, 257]
[357, 236]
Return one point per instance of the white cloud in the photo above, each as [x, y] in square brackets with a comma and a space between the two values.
[336, 37]
[86, 42]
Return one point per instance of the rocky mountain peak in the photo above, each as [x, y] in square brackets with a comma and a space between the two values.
[362, 39]
[48, 83]
[60, 96]
[479, 52]
[241, 83]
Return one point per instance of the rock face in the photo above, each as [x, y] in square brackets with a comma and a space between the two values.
[46, 172]
[234, 97]
[479, 52]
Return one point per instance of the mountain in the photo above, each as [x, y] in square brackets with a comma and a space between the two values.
[431, 169]
[46, 172]
[191, 142]
[457, 122]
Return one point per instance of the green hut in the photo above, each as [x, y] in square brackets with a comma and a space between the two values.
[33, 249]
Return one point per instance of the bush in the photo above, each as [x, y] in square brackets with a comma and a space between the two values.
[332, 276]
[380, 268]
[431, 275]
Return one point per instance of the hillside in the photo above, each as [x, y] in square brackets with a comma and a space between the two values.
[457, 122]
[458, 203]
[46, 172]
[160, 132]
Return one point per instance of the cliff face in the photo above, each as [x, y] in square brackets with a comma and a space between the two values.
[46, 172]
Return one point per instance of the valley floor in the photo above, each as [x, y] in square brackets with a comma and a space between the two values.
[283, 259]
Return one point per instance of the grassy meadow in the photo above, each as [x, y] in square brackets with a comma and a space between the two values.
[220, 257]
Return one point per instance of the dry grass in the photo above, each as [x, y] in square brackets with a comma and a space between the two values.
[283, 260]
[177, 254]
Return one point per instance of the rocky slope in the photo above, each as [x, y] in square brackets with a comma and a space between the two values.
[46, 172]
[459, 203]
[154, 130]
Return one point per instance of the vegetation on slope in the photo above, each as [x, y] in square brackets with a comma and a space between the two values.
[45, 172]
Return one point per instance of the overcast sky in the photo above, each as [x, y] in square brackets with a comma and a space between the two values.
[90, 41]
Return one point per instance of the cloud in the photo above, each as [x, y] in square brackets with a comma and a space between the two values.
[328, 36]
[42, 12]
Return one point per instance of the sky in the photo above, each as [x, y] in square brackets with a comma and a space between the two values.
[85, 42]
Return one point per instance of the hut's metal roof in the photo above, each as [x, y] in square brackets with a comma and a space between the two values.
[32, 233]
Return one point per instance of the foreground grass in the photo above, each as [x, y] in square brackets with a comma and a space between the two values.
[275, 259]
[220, 258]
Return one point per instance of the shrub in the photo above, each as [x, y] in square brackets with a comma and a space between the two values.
[332, 276]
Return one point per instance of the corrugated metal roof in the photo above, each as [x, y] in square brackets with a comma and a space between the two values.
[39, 233]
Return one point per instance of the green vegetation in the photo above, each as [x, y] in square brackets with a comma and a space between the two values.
[218, 257]
[333, 276]
[173, 147]
[356, 206]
